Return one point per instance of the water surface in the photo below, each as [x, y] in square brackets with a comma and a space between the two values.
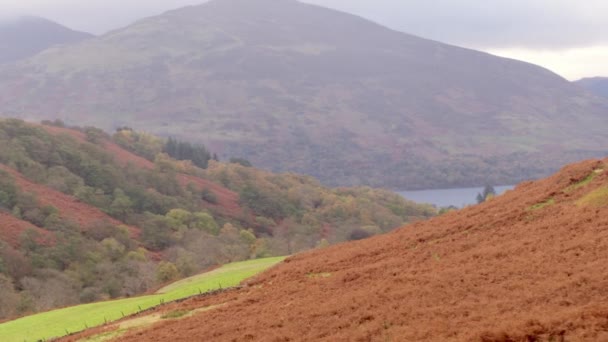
[459, 197]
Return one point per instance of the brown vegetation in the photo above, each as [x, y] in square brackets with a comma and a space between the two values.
[77, 189]
[69, 207]
[530, 265]
[227, 200]
[11, 230]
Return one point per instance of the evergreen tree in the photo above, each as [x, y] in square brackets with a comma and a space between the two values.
[487, 193]
[198, 154]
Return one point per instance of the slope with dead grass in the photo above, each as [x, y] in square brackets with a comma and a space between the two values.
[494, 272]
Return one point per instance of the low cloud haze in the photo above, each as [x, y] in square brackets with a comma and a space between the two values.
[539, 27]
[491, 24]
[94, 16]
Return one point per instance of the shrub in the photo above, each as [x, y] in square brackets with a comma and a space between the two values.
[359, 234]
[209, 196]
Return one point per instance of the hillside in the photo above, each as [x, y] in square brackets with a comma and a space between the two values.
[86, 216]
[596, 85]
[49, 325]
[26, 36]
[296, 87]
[529, 265]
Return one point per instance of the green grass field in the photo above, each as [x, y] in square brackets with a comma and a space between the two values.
[73, 319]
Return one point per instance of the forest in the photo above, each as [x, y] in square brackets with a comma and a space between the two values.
[88, 216]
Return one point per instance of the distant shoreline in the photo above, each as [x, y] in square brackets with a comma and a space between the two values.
[458, 197]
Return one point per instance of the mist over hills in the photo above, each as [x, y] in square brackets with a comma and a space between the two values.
[302, 88]
[597, 85]
[22, 37]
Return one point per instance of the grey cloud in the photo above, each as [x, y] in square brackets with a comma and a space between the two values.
[474, 23]
[95, 16]
[490, 23]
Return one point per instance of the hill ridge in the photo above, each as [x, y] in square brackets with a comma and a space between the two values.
[25, 36]
[597, 85]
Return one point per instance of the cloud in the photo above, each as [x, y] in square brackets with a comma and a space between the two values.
[552, 24]
[96, 16]
[481, 24]
[573, 64]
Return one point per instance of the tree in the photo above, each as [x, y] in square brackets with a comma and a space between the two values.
[198, 154]
[206, 222]
[268, 204]
[241, 161]
[9, 298]
[156, 232]
[122, 205]
[113, 249]
[233, 246]
[8, 191]
[94, 135]
[250, 240]
[323, 243]
[359, 234]
[487, 193]
[209, 196]
[166, 272]
[179, 218]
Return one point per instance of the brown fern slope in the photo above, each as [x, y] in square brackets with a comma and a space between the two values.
[70, 208]
[12, 229]
[530, 265]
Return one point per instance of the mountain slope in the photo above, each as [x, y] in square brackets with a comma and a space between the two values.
[13, 228]
[297, 87]
[26, 36]
[83, 218]
[529, 265]
[596, 85]
[70, 208]
[227, 200]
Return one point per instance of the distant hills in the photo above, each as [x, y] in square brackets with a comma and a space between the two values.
[26, 36]
[597, 85]
[296, 87]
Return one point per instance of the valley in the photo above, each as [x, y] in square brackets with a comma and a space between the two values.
[223, 172]
[88, 216]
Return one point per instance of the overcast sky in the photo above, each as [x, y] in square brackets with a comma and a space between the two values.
[566, 36]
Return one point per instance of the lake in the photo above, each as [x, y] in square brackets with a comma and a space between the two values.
[459, 197]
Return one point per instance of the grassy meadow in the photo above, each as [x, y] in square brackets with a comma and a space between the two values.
[61, 322]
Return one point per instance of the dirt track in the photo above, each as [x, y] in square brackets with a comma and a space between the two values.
[511, 269]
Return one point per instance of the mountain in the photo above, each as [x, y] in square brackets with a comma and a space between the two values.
[296, 87]
[85, 216]
[529, 265]
[26, 36]
[596, 85]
